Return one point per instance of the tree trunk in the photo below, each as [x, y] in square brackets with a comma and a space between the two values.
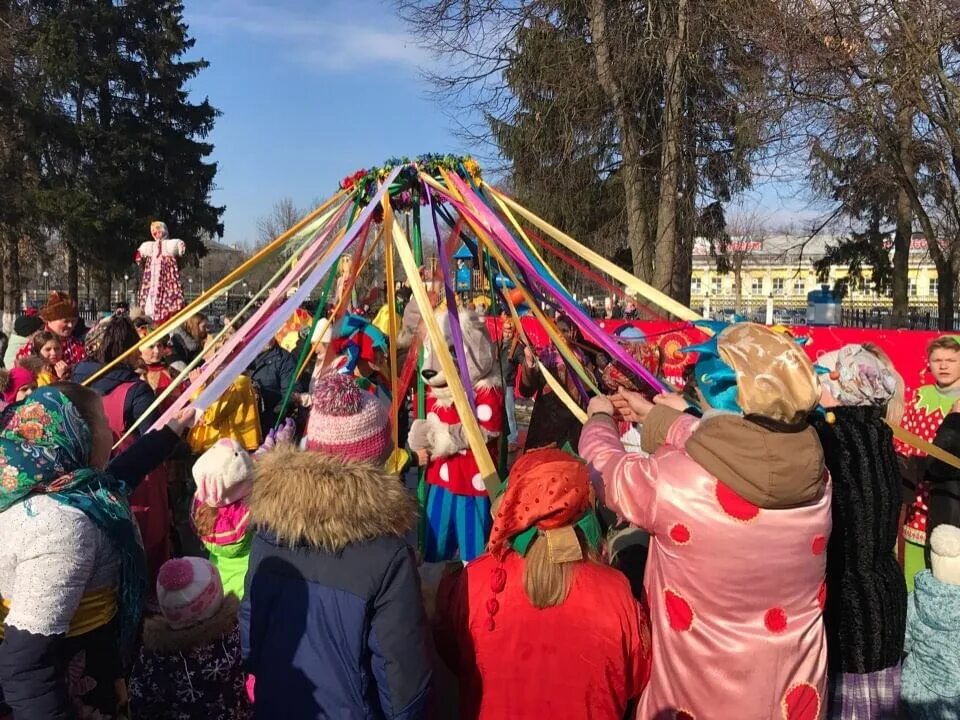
[73, 272]
[671, 130]
[631, 142]
[946, 294]
[687, 223]
[104, 289]
[737, 287]
[904, 228]
[11, 281]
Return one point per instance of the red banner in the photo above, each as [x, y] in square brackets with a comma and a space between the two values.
[906, 348]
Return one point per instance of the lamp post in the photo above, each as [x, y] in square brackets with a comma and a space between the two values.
[126, 296]
[46, 281]
[190, 283]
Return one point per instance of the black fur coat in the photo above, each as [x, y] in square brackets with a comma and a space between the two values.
[866, 605]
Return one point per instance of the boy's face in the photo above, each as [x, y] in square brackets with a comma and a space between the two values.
[945, 366]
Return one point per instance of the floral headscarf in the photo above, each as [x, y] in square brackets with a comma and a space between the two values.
[45, 449]
[856, 376]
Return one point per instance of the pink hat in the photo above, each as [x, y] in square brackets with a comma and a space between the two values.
[189, 591]
[19, 377]
[347, 421]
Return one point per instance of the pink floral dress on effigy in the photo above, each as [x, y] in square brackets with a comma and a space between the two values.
[161, 295]
[736, 591]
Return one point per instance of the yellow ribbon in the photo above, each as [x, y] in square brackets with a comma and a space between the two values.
[228, 281]
[96, 609]
[920, 444]
[633, 284]
[394, 328]
[488, 470]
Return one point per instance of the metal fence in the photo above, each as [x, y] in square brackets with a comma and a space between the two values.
[925, 318]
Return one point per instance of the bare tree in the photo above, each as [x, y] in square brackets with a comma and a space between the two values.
[282, 216]
[747, 233]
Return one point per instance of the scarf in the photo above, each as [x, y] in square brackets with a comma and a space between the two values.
[548, 492]
[856, 376]
[45, 449]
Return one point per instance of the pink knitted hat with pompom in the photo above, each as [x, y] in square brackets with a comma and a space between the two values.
[347, 421]
[189, 591]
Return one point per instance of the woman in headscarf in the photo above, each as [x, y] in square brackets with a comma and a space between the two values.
[537, 627]
[72, 569]
[738, 507]
[866, 605]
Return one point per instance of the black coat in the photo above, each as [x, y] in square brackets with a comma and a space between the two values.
[944, 503]
[271, 374]
[551, 421]
[866, 607]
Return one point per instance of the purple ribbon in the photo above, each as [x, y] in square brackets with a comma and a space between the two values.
[586, 325]
[456, 333]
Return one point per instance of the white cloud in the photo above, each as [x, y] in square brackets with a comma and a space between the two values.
[324, 36]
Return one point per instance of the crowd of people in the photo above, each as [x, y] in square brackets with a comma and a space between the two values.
[265, 559]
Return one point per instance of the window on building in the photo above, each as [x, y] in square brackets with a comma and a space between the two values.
[933, 286]
[756, 286]
[778, 285]
[799, 287]
[913, 288]
[717, 285]
[696, 286]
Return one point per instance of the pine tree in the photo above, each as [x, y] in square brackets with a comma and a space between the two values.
[129, 146]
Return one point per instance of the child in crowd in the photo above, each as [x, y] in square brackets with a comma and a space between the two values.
[16, 385]
[500, 617]
[931, 672]
[224, 477]
[925, 413]
[332, 622]
[189, 665]
[46, 345]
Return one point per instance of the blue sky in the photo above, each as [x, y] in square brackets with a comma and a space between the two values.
[312, 90]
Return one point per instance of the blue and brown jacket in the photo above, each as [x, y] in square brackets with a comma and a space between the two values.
[332, 621]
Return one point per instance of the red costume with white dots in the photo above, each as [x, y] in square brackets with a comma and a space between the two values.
[459, 473]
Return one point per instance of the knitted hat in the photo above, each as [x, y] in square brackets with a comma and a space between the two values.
[27, 325]
[945, 554]
[347, 422]
[189, 591]
[60, 306]
[17, 378]
[224, 474]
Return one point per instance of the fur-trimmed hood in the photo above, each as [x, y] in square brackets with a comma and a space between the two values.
[325, 502]
[160, 638]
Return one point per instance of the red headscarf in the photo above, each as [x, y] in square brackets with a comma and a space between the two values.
[548, 488]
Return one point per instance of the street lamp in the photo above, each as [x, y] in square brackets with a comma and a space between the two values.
[126, 278]
[190, 282]
[46, 281]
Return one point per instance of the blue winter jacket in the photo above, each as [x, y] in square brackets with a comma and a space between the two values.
[931, 672]
[332, 622]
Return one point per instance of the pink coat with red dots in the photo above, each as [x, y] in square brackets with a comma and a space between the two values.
[736, 592]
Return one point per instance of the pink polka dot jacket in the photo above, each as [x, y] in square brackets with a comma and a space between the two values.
[739, 516]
